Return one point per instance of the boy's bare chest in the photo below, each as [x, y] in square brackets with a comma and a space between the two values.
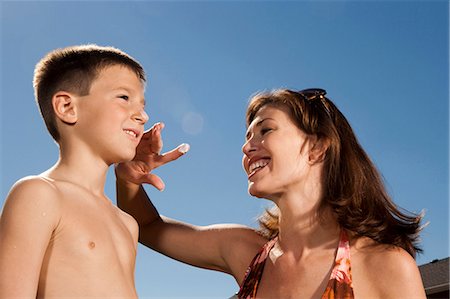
[95, 231]
[94, 244]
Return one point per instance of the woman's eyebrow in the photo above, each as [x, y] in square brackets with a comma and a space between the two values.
[259, 123]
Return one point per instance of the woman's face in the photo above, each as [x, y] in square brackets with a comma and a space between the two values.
[275, 153]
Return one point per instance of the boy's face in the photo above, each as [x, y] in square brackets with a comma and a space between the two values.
[112, 117]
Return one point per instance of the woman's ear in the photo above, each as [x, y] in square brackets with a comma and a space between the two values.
[319, 149]
[64, 105]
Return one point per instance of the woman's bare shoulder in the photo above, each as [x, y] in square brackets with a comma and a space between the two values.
[368, 253]
[373, 253]
[386, 270]
[240, 245]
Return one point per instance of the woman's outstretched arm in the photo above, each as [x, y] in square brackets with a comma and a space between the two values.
[227, 248]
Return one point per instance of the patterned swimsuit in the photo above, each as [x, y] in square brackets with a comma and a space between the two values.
[339, 285]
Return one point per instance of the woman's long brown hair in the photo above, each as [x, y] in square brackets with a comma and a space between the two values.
[353, 187]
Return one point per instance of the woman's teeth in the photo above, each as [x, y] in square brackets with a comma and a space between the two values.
[258, 164]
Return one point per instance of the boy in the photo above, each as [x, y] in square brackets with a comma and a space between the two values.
[60, 236]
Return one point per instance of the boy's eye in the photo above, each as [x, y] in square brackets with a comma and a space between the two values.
[124, 97]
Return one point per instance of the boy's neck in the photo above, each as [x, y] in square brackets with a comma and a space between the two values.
[81, 169]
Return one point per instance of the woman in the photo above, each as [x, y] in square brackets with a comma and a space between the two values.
[333, 232]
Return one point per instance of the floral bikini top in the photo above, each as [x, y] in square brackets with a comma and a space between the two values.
[339, 285]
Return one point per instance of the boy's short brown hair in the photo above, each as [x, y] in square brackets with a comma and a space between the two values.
[73, 69]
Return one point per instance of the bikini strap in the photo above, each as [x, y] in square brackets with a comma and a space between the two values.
[254, 272]
[340, 283]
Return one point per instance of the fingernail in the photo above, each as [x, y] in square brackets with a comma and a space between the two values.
[184, 148]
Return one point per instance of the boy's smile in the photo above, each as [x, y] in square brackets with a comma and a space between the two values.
[114, 104]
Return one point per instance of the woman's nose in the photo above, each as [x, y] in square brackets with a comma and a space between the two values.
[249, 146]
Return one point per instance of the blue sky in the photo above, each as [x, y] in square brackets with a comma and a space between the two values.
[384, 64]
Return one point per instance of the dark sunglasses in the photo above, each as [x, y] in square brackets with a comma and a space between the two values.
[312, 94]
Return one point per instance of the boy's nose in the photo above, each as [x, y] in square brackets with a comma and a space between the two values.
[141, 116]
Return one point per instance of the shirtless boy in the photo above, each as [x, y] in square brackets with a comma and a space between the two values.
[60, 236]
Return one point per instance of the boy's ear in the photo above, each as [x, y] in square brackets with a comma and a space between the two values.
[64, 105]
[318, 150]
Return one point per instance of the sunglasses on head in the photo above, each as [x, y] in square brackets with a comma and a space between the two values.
[312, 94]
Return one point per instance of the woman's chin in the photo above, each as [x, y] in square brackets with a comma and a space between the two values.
[253, 191]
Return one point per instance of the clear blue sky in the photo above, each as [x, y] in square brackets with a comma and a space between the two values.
[385, 65]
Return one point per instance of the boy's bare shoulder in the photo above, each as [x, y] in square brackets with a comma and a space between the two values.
[33, 193]
[34, 183]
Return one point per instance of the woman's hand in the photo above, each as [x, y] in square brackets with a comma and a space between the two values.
[148, 157]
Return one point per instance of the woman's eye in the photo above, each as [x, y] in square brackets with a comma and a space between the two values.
[124, 97]
[265, 130]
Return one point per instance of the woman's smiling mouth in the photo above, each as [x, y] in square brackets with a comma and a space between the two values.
[257, 165]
